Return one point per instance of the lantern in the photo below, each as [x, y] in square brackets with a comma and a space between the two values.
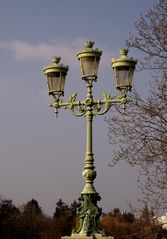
[89, 61]
[56, 75]
[123, 71]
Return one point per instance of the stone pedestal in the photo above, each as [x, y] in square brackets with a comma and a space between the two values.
[88, 237]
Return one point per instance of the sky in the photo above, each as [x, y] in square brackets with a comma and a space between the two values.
[42, 157]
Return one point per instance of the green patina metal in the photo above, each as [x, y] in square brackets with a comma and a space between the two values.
[88, 212]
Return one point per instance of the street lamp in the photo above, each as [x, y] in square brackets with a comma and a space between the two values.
[88, 212]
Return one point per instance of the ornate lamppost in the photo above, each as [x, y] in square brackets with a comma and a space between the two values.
[88, 211]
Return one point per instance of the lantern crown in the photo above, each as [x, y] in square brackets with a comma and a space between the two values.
[55, 66]
[123, 59]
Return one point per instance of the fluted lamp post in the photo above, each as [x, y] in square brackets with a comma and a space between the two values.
[88, 211]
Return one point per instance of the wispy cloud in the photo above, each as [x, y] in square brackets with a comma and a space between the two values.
[25, 51]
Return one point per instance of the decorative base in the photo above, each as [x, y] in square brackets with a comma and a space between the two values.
[89, 214]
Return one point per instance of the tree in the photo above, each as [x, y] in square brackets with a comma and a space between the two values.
[115, 224]
[124, 225]
[32, 207]
[8, 215]
[64, 218]
[62, 209]
[73, 207]
[29, 224]
[7, 208]
[141, 131]
[151, 38]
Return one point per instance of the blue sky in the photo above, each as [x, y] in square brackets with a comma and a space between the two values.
[42, 157]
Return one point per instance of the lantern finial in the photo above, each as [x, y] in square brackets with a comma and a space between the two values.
[88, 44]
[55, 59]
[123, 53]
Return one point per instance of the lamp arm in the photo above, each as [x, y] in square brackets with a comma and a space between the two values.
[101, 107]
[78, 108]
